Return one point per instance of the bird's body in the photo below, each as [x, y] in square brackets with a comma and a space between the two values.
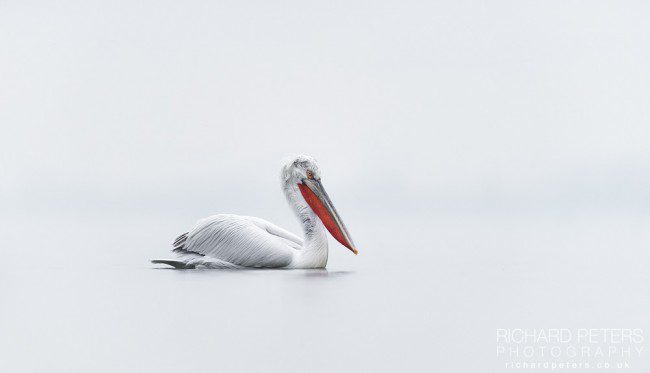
[233, 241]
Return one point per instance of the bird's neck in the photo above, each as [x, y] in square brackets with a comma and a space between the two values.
[314, 250]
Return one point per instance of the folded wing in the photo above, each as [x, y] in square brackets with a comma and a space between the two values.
[241, 241]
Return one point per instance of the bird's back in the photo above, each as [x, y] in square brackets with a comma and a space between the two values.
[240, 241]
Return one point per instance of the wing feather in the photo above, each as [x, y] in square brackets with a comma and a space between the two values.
[242, 241]
[276, 231]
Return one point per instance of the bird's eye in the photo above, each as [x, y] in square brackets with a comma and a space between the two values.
[310, 175]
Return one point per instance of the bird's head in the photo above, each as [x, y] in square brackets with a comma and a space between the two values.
[303, 171]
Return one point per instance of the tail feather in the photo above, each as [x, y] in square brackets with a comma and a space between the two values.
[174, 263]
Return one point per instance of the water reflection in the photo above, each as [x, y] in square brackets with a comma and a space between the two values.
[322, 273]
[311, 273]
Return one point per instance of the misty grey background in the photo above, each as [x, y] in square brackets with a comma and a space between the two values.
[490, 160]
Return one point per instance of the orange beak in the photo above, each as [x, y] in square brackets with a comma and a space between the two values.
[315, 195]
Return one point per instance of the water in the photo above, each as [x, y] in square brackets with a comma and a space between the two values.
[489, 159]
[424, 294]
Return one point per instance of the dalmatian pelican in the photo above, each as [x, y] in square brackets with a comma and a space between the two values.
[233, 241]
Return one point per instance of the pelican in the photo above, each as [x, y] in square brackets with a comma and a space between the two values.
[233, 241]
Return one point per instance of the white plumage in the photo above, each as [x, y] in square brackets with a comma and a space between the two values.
[232, 241]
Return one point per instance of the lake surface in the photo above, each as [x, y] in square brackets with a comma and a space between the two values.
[425, 294]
